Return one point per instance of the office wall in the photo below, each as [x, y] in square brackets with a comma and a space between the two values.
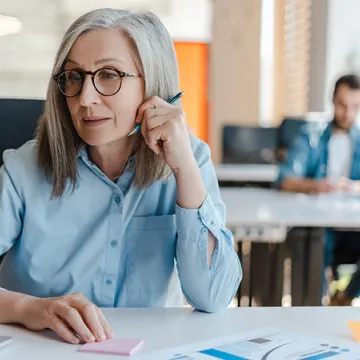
[343, 52]
[318, 54]
[279, 66]
[26, 58]
[193, 66]
[234, 67]
[335, 48]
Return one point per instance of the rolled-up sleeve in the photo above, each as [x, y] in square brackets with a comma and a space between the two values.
[296, 163]
[11, 209]
[207, 289]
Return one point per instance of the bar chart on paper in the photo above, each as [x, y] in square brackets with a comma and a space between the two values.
[267, 344]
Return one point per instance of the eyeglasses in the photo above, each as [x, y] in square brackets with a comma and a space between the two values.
[107, 81]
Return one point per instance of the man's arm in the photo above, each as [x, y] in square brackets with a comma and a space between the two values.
[306, 185]
[293, 170]
[295, 184]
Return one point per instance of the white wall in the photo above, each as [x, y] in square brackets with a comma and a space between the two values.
[189, 20]
[184, 19]
[343, 48]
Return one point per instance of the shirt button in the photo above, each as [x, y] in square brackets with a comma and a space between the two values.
[113, 243]
[108, 282]
[204, 230]
[117, 199]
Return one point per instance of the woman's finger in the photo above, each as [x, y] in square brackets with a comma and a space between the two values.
[58, 326]
[159, 135]
[90, 316]
[155, 120]
[153, 102]
[157, 117]
[108, 332]
[76, 322]
[155, 136]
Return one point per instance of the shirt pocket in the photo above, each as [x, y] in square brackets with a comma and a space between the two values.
[150, 258]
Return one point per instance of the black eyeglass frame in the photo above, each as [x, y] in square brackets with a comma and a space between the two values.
[83, 74]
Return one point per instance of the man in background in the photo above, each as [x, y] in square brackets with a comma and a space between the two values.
[326, 158]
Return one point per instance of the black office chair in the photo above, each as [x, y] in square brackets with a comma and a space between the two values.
[18, 121]
[289, 130]
[249, 145]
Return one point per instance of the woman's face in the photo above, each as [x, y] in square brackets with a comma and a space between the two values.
[100, 119]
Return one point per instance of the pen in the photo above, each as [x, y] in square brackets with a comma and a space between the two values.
[170, 101]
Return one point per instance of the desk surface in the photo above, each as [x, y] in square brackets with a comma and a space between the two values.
[162, 328]
[247, 172]
[250, 206]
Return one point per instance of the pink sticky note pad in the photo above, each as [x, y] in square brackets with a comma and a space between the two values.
[124, 347]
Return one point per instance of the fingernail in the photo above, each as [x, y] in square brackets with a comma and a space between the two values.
[75, 340]
[109, 334]
[101, 336]
[89, 339]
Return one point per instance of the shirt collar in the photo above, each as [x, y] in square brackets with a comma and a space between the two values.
[83, 154]
[354, 132]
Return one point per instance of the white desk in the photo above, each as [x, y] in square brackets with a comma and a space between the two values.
[247, 172]
[267, 213]
[163, 328]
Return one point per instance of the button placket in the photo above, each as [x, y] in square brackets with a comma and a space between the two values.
[113, 269]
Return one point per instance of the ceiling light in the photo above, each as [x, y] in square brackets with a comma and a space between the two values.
[9, 25]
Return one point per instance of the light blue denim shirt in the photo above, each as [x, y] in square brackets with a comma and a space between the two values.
[309, 156]
[119, 246]
[308, 159]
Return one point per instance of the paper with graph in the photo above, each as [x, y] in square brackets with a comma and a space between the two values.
[264, 344]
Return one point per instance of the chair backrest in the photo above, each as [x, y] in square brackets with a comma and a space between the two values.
[289, 130]
[249, 145]
[18, 121]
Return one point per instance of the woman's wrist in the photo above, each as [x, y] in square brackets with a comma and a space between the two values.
[191, 188]
[20, 307]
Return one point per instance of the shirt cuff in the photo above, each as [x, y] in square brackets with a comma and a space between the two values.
[194, 224]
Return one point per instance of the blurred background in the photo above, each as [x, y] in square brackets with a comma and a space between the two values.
[275, 58]
[253, 72]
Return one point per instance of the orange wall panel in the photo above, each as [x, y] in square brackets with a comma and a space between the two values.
[193, 67]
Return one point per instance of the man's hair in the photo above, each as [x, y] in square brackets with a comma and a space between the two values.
[350, 80]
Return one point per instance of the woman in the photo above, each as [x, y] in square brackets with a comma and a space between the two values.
[90, 216]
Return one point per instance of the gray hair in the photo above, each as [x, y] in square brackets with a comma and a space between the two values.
[156, 61]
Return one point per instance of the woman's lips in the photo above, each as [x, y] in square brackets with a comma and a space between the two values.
[94, 120]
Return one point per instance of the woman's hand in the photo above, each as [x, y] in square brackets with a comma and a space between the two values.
[72, 317]
[164, 128]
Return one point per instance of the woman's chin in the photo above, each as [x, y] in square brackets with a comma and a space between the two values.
[102, 140]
